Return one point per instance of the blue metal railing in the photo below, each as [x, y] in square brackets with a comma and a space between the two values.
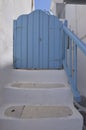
[70, 44]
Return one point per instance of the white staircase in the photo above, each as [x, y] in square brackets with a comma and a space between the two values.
[38, 100]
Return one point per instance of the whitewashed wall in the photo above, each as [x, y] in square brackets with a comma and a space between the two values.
[9, 10]
[53, 7]
[76, 16]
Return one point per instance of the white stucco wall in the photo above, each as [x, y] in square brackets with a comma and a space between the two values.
[53, 8]
[76, 16]
[9, 10]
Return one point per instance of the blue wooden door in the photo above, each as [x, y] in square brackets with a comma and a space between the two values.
[37, 41]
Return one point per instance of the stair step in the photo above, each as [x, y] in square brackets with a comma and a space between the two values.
[38, 93]
[38, 100]
[36, 112]
[38, 117]
[36, 85]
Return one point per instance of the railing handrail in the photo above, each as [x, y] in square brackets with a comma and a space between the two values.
[69, 38]
[77, 41]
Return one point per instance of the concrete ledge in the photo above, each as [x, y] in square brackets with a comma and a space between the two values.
[69, 120]
[36, 112]
[51, 96]
[38, 85]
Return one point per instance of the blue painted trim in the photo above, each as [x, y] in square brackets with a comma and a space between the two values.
[70, 49]
[72, 75]
[75, 65]
[74, 89]
[14, 43]
[66, 42]
[76, 40]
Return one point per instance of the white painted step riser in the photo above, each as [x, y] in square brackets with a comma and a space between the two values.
[36, 75]
[41, 124]
[38, 96]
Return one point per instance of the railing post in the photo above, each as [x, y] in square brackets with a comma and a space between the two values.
[72, 64]
[78, 98]
[70, 48]
[65, 49]
[66, 23]
[75, 67]
[65, 43]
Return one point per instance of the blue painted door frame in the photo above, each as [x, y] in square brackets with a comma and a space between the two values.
[37, 41]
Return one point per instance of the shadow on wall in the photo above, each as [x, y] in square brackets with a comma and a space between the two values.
[81, 75]
[5, 77]
[5, 74]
